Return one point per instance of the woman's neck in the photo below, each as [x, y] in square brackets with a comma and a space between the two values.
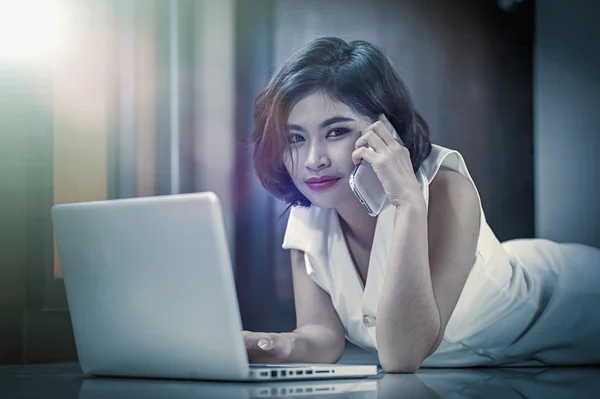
[357, 223]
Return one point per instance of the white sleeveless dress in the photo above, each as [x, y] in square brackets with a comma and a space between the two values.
[525, 302]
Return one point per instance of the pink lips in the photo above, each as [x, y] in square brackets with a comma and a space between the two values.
[322, 183]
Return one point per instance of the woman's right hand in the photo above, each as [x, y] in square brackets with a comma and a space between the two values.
[268, 347]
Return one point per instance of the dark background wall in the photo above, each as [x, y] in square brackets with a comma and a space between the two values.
[567, 121]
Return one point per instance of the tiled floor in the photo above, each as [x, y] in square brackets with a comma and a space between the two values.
[67, 381]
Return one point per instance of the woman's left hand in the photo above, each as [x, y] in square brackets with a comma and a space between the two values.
[390, 161]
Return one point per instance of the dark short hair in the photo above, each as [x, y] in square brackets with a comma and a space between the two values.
[356, 73]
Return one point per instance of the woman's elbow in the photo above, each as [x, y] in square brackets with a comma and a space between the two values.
[407, 356]
[402, 362]
[335, 352]
[394, 366]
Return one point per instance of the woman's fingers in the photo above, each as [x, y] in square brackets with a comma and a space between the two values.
[380, 136]
[371, 139]
[264, 347]
[255, 340]
[365, 153]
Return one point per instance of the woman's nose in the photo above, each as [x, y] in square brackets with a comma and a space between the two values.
[317, 158]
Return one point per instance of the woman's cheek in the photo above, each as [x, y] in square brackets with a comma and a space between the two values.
[344, 155]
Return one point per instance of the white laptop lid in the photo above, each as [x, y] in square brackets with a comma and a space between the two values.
[150, 287]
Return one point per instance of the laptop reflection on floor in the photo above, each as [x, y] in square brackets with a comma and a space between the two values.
[100, 388]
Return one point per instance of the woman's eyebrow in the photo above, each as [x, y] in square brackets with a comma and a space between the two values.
[291, 126]
[333, 120]
[322, 125]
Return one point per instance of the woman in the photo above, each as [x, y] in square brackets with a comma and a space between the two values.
[426, 282]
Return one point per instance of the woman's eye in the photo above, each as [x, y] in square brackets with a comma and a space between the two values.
[340, 131]
[295, 138]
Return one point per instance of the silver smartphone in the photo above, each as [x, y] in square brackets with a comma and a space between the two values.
[366, 185]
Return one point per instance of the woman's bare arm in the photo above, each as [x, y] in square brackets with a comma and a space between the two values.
[319, 336]
[429, 264]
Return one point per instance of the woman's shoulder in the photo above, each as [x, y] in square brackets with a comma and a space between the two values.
[444, 164]
[450, 191]
[448, 178]
[440, 156]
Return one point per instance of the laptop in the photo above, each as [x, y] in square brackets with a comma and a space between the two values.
[151, 292]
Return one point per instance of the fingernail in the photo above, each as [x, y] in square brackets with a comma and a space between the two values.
[264, 344]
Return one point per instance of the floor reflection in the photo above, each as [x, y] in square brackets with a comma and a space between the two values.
[67, 382]
[513, 383]
[427, 383]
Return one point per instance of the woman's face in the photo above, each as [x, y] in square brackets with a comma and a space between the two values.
[322, 133]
